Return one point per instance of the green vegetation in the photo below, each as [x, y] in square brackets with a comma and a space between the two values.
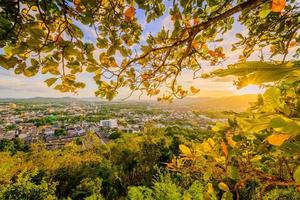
[13, 146]
[171, 163]
[9, 128]
[115, 135]
[60, 132]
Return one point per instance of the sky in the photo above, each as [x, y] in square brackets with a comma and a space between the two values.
[19, 86]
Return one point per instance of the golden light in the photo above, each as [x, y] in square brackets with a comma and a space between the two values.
[250, 89]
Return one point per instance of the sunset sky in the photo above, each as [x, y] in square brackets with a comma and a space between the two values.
[18, 86]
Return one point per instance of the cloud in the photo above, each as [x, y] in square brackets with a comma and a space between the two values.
[214, 93]
[22, 84]
[224, 79]
[167, 23]
[90, 34]
[251, 89]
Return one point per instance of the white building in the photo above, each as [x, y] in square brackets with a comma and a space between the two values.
[49, 131]
[111, 123]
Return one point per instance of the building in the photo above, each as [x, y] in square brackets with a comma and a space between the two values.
[49, 131]
[111, 123]
[10, 135]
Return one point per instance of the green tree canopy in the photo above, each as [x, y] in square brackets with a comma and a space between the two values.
[49, 37]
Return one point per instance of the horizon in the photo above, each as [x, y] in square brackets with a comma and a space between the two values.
[150, 99]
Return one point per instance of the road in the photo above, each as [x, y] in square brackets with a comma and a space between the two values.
[102, 137]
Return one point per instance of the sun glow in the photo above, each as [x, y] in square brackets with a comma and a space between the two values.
[251, 89]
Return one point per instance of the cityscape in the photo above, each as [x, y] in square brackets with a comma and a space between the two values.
[56, 124]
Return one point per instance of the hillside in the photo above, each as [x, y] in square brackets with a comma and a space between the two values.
[235, 103]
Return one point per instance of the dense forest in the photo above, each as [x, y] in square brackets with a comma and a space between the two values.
[171, 163]
[254, 155]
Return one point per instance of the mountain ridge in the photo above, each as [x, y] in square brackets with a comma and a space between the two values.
[235, 102]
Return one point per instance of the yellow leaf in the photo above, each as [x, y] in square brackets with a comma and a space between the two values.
[223, 186]
[145, 76]
[132, 3]
[129, 14]
[184, 149]
[208, 145]
[173, 18]
[195, 44]
[154, 92]
[34, 8]
[230, 141]
[76, 2]
[57, 39]
[50, 81]
[186, 196]
[224, 148]
[293, 43]
[187, 24]
[211, 142]
[278, 5]
[194, 90]
[196, 21]
[204, 46]
[114, 64]
[277, 139]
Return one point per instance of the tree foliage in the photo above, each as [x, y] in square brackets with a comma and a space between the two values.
[157, 164]
[52, 37]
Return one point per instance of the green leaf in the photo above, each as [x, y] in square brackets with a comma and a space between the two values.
[260, 77]
[4, 23]
[285, 125]
[265, 11]
[272, 102]
[92, 68]
[30, 71]
[50, 67]
[297, 175]
[50, 81]
[8, 63]
[34, 62]
[102, 43]
[211, 192]
[227, 196]
[76, 31]
[253, 125]
[232, 172]
[123, 51]
[255, 72]
[36, 31]
[8, 50]
[240, 36]
[20, 68]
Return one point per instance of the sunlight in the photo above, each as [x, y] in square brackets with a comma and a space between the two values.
[250, 89]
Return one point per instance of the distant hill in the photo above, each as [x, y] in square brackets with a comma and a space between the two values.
[66, 100]
[234, 103]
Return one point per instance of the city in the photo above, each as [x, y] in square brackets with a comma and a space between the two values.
[56, 124]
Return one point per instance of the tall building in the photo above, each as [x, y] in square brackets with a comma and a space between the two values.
[110, 123]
